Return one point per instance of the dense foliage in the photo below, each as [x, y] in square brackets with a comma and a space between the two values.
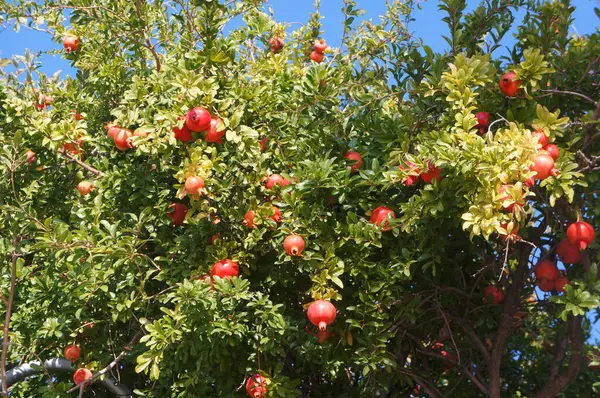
[102, 265]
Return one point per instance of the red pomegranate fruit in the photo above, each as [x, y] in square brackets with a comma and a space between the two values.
[542, 138]
[197, 119]
[568, 252]
[493, 294]
[483, 120]
[552, 150]
[413, 173]
[380, 216]
[317, 57]
[320, 46]
[543, 165]
[321, 313]
[546, 270]
[256, 386]
[504, 191]
[432, 173]
[249, 219]
[72, 352]
[560, 282]
[581, 234]
[225, 268]
[276, 179]
[123, 139]
[356, 158]
[30, 157]
[509, 84]
[81, 375]
[276, 44]
[214, 134]
[194, 185]
[277, 216]
[183, 134]
[177, 213]
[71, 43]
[293, 245]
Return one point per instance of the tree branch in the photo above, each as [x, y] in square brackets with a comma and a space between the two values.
[511, 305]
[550, 92]
[427, 385]
[9, 306]
[80, 163]
[554, 387]
[557, 361]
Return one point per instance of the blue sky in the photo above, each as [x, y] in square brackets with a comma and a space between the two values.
[428, 26]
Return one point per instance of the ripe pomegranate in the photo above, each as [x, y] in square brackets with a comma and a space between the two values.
[213, 134]
[448, 366]
[354, 156]
[509, 84]
[225, 269]
[249, 219]
[213, 239]
[541, 137]
[81, 375]
[413, 173]
[71, 43]
[112, 130]
[568, 252]
[123, 140]
[276, 44]
[76, 115]
[276, 179]
[546, 270]
[85, 187]
[277, 216]
[178, 213]
[30, 157]
[183, 134]
[545, 285]
[432, 173]
[194, 185]
[518, 204]
[552, 150]
[293, 245]
[321, 313]
[483, 121]
[317, 57]
[543, 165]
[320, 46]
[322, 336]
[581, 234]
[197, 119]
[263, 142]
[72, 352]
[560, 282]
[493, 294]
[380, 217]
[256, 386]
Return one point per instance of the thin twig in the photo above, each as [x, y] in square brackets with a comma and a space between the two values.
[82, 164]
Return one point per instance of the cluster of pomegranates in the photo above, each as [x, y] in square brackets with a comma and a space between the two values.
[73, 353]
[318, 51]
[199, 120]
[276, 44]
[414, 173]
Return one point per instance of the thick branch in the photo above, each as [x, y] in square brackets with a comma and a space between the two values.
[111, 365]
[511, 306]
[475, 340]
[557, 361]
[554, 387]
[9, 305]
[426, 384]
